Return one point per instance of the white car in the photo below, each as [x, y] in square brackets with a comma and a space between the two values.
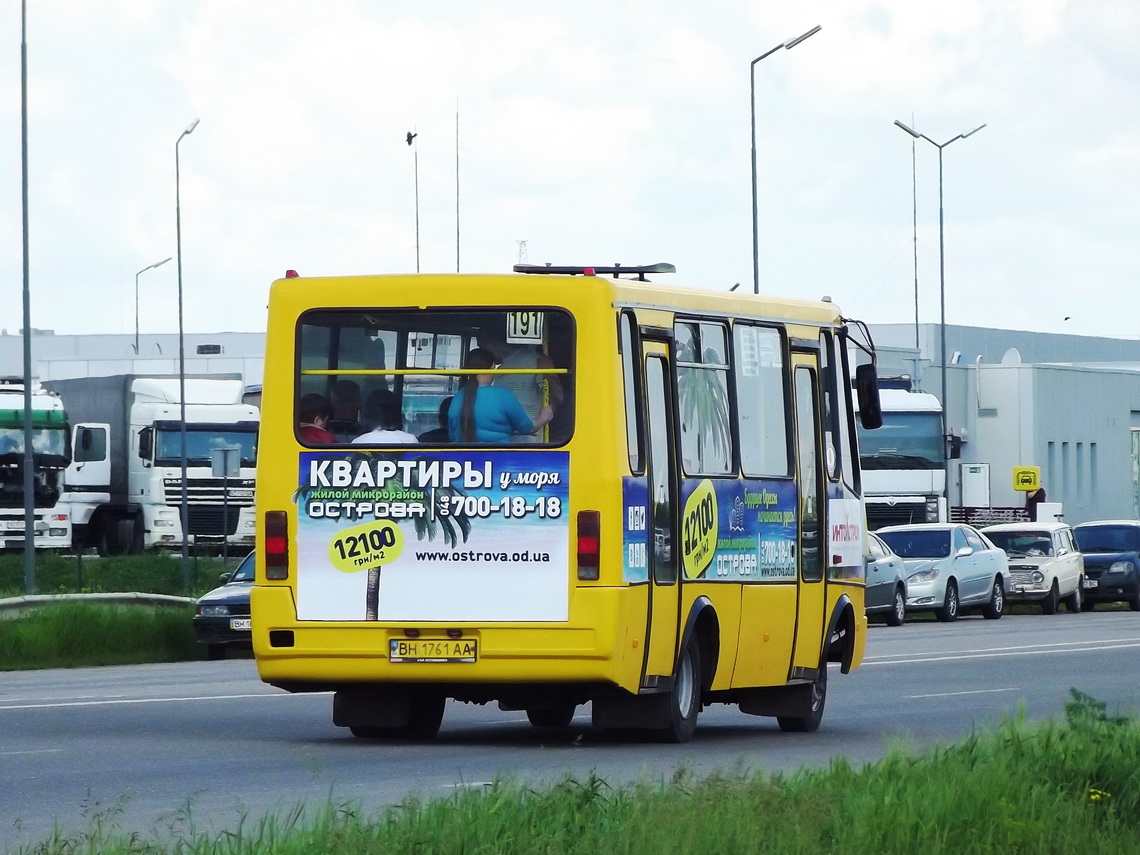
[1044, 563]
[950, 566]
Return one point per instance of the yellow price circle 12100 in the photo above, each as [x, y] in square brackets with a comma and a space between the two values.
[366, 547]
[699, 523]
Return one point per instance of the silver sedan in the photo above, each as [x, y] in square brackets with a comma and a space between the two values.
[950, 566]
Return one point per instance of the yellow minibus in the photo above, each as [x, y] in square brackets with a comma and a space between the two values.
[555, 487]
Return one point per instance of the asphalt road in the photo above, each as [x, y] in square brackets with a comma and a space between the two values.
[169, 747]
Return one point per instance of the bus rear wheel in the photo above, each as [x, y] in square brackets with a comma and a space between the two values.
[685, 696]
[809, 722]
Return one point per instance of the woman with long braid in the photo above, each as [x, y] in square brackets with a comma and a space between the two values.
[481, 412]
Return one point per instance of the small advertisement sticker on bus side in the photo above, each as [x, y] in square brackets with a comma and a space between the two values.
[427, 536]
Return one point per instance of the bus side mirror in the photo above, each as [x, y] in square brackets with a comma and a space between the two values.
[867, 394]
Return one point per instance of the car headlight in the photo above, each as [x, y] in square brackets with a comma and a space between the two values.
[163, 522]
[1120, 567]
[924, 576]
[1038, 577]
[214, 611]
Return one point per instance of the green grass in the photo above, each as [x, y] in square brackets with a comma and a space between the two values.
[1071, 787]
[76, 634]
[151, 573]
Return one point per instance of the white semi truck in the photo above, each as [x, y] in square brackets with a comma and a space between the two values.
[904, 461]
[124, 486]
[51, 454]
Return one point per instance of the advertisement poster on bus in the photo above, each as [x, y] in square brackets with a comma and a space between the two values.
[433, 536]
[731, 531]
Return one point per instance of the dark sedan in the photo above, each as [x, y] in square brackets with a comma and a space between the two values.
[1112, 561]
[221, 617]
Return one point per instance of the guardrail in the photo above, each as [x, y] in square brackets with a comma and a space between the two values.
[12, 607]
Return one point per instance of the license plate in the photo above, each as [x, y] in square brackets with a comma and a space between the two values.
[1091, 583]
[240, 623]
[13, 525]
[432, 650]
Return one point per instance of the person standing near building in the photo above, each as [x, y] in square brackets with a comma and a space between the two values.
[1032, 499]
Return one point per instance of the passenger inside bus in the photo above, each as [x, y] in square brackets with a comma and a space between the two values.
[313, 413]
[386, 422]
[345, 419]
[481, 412]
[527, 388]
[440, 434]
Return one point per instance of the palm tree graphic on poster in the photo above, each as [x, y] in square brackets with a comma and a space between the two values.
[703, 403]
[450, 526]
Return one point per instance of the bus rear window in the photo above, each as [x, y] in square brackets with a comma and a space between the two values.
[390, 377]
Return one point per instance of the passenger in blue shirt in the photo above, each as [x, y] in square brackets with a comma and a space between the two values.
[481, 412]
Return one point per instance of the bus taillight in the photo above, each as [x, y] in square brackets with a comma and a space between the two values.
[276, 545]
[589, 544]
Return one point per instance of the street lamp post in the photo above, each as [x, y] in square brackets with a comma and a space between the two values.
[182, 362]
[941, 275]
[144, 270]
[788, 45]
[416, 154]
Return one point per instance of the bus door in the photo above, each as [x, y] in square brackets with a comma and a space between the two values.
[810, 618]
[664, 551]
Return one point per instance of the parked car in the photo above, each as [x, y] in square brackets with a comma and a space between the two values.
[886, 582]
[950, 566]
[1111, 549]
[221, 617]
[1045, 565]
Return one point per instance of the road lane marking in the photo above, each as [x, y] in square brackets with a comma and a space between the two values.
[1025, 647]
[972, 692]
[36, 751]
[996, 655]
[4, 706]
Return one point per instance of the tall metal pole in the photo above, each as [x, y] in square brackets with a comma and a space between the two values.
[411, 139]
[941, 280]
[942, 320]
[788, 45]
[29, 456]
[914, 202]
[456, 185]
[144, 270]
[182, 362]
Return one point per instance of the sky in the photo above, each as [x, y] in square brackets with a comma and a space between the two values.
[597, 132]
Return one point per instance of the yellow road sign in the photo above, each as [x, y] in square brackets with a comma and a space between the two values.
[1026, 478]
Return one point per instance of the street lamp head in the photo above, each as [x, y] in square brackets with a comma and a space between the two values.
[160, 263]
[974, 131]
[190, 128]
[791, 43]
[910, 131]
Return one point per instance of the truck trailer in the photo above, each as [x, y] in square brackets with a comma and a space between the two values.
[124, 487]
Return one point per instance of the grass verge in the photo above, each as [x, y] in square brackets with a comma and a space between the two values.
[72, 634]
[1071, 787]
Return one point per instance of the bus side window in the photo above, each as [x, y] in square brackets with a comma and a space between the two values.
[761, 400]
[848, 448]
[836, 412]
[630, 374]
[702, 398]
